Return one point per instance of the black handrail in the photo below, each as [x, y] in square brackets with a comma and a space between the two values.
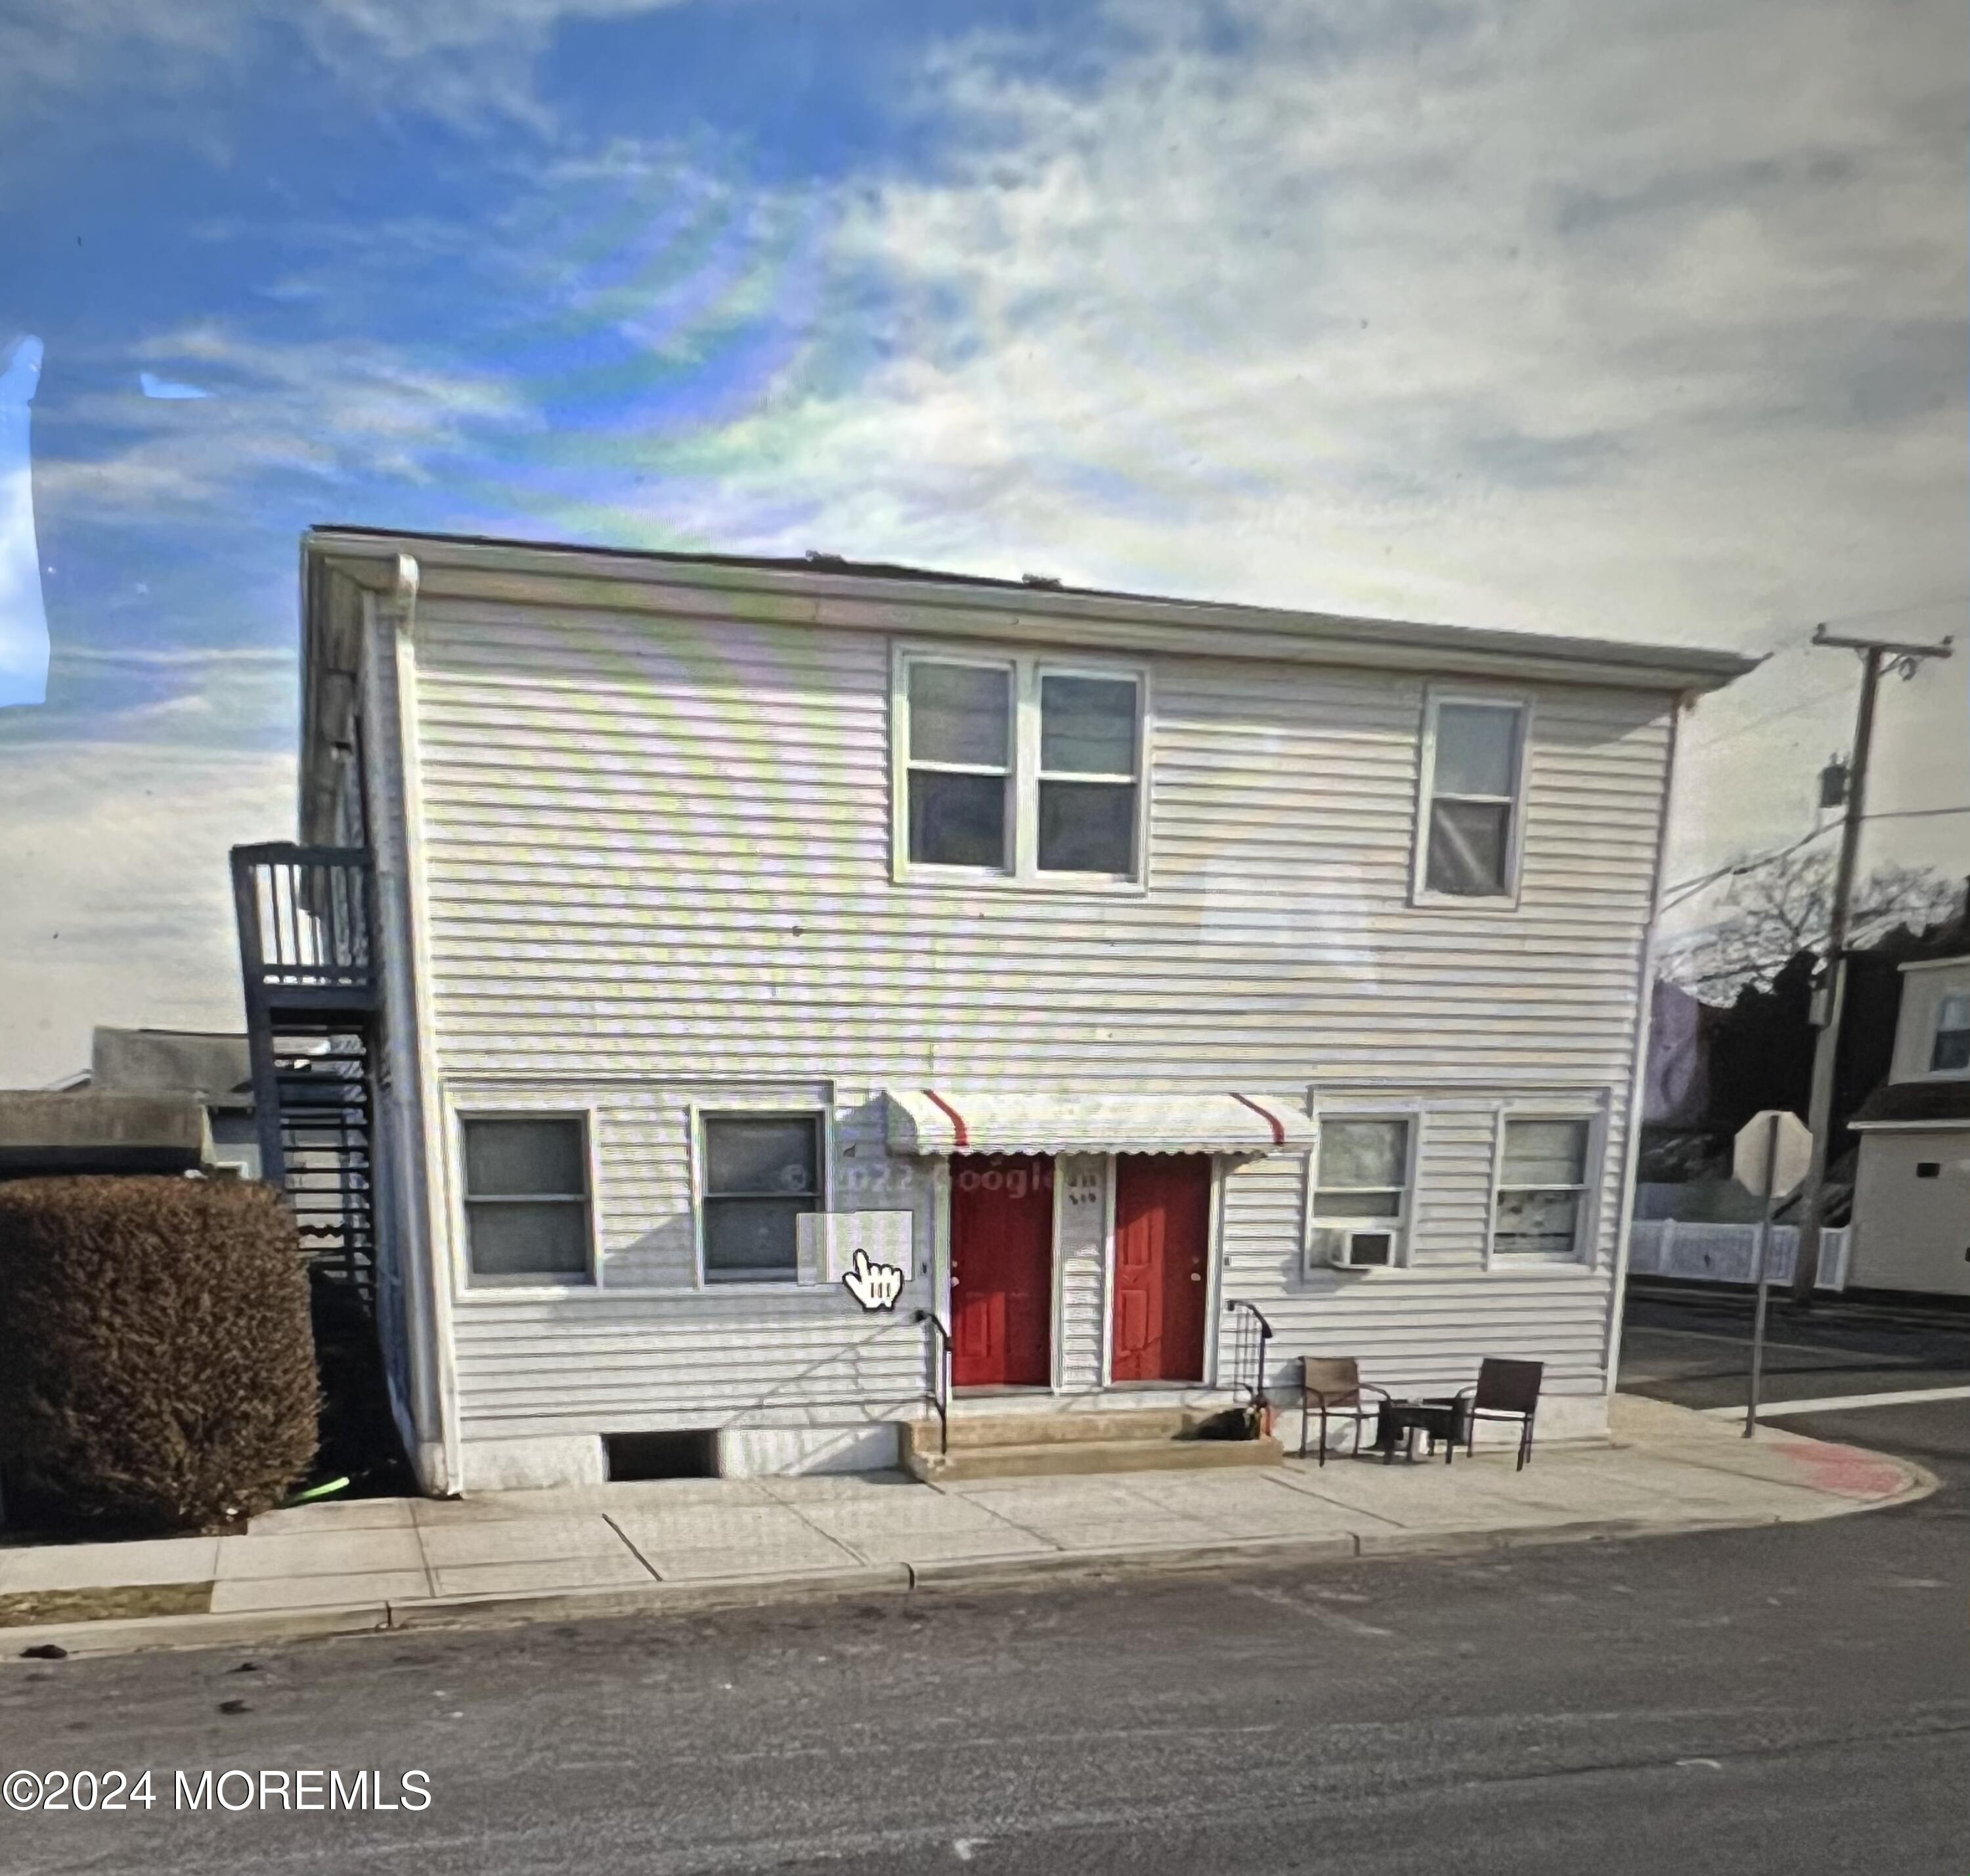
[307, 916]
[1251, 1336]
[940, 1395]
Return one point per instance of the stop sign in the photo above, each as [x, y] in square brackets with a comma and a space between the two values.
[1752, 1152]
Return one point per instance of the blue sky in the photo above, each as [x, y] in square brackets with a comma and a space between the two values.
[1649, 325]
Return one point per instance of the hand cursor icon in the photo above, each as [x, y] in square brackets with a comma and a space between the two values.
[874, 1285]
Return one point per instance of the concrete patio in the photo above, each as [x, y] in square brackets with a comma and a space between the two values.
[390, 1563]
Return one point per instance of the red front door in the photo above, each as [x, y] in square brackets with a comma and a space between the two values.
[1163, 1258]
[1001, 1271]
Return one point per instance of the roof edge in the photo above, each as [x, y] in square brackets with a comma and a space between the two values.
[368, 555]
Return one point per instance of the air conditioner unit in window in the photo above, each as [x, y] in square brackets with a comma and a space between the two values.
[1356, 1251]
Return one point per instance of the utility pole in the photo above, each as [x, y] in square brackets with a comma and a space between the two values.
[1876, 655]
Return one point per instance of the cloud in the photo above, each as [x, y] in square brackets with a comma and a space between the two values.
[140, 773]
[315, 415]
[153, 386]
[1498, 316]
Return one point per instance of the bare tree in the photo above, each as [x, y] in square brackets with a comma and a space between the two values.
[1784, 906]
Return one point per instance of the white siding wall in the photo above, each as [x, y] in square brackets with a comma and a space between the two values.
[658, 853]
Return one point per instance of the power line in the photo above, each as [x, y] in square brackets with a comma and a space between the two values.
[1688, 888]
[1915, 814]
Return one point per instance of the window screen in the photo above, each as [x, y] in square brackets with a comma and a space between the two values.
[526, 1200]
[761, 1171]
[1542, 1190]
[960, 747]
[1474, 798]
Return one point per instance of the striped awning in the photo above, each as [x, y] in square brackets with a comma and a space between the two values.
[1068, 1120]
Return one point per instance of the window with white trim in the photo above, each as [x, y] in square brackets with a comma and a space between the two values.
[1540, 1207]
[1950, 1052]
[1473, 788]
[1019, 769]
[761, 1172]
[1361, 1191]
[527, 1215]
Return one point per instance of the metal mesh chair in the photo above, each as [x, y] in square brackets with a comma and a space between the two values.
[1332, 1386]
[1505, 1390]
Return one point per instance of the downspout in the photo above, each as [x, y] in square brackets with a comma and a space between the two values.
[420, 1134]
[1645, 1004]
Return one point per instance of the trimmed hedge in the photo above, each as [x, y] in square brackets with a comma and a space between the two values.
[157, 1366]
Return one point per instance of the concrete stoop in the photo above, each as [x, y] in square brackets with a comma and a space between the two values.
[1033, 1445]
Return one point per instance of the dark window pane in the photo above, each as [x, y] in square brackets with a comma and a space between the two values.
[1545, 1152]
[1477, 750]
[523, 1157]
[1355, 1203]
[1467, 847]
[515, 1238]
[768, 1154]
[1952, 1035]
[960, 714]
[1088, 826]
[957, 820]
[751, 1238]
[1087, 726]
[1364, 1153]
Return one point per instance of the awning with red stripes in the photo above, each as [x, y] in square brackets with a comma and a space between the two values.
[1068, 1120]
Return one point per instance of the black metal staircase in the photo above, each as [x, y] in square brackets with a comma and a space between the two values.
[309, 955]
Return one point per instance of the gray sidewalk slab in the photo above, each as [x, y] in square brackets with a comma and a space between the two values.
[697, 1543]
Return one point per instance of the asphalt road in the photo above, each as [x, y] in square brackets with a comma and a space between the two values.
[1793, 1699]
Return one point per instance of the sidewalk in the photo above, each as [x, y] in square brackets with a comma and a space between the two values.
[393, 1563]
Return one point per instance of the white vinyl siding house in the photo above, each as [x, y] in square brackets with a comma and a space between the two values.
[1911, 1228]
[672, 846]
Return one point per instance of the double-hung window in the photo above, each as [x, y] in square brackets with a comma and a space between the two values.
[526, 1199]
[1361, 1191]
[761, 1171]
[1950, 1053]
[1541, 1204]
[1470, 826]
[1019, 769]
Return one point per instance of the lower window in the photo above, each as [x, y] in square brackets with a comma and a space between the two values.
[761, 1172]
[1360, 1197]
[1541, 1198]
[526, 1199]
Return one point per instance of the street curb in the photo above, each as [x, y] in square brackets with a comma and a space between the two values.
[656, 1598]
[1018, 1569]
[1006, 1572]
[139, 1634]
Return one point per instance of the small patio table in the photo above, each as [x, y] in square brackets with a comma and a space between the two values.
[1399, 1422]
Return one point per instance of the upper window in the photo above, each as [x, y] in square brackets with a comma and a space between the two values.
[1473, 765]
[761, 1171]
[1952, 1048]
[1018, 769]
[526, 1200]
[1361, 1198]
[1542, 1199]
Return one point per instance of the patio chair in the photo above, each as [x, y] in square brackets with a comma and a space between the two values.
[1332, 1386]
[1505, 1390]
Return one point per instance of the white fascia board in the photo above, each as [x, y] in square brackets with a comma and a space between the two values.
[526, 573]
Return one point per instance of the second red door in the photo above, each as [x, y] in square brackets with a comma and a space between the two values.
[1001, 1271]
[1162, 1266]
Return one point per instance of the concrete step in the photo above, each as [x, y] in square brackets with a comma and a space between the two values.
[1073, 1458]
[1106, 1425]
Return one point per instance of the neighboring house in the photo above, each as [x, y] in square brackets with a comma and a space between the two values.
[150, 1101]
[1115, 967]
[1911, 1194]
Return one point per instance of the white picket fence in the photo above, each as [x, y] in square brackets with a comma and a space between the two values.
[1728, 1253]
